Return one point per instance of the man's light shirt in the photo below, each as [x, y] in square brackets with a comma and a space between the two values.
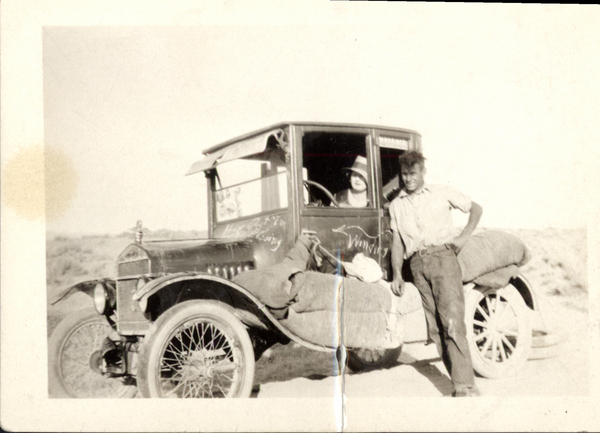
[424, 218]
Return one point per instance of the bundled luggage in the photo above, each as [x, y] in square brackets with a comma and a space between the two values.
[492, 257]
[324, 308]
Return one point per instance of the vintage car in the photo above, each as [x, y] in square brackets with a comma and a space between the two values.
[174, 324]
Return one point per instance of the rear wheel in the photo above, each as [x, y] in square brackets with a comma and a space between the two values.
[197, 349]
[74, 359]
[498, 330]
[367, 359]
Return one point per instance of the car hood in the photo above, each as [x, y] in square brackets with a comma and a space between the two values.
[166, 257]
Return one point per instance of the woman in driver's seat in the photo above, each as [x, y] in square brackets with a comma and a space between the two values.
[356, 195]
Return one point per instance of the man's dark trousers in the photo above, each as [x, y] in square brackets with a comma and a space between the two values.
[438, 277]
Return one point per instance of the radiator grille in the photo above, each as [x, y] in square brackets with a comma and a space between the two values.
[131, 320]
[138, 267]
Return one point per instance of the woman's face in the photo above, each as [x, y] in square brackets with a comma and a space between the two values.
[357, 182]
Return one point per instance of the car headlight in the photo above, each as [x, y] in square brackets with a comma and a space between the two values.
[100, 298]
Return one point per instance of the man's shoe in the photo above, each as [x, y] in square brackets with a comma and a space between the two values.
[466, 391]
[474, 391]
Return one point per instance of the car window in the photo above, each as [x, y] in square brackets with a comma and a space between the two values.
[390, 148]
[328, 161]
[252, 185]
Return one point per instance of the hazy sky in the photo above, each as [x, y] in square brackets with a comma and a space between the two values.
[506, 100]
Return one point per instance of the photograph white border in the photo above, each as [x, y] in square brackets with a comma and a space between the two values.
[25, 405]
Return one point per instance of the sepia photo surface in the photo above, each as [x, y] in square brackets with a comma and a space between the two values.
[109, 111]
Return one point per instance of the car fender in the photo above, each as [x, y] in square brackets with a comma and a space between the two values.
[526, 290]
[153, 286]
[86, 287]
[523, 286]
[247, 317]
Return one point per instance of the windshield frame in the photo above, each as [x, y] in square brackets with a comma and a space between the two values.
[277, 141]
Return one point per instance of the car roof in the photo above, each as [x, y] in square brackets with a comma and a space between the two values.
[224, 144]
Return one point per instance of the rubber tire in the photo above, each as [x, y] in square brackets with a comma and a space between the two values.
[160, 333]
[546, 339]
[357, 362]
[546, 352]
[547, 345]
[484, 366]
[60, 336]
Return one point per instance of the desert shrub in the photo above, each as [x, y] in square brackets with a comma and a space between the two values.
[63, 246]
[84, 257]
[105, 269]
[559, 260]
[58, 268]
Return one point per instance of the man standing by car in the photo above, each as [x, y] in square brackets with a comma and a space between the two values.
[423, 232]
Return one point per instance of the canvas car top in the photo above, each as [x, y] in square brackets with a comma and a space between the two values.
[255, 142]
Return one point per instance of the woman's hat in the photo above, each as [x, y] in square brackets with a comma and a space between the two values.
[359, 166]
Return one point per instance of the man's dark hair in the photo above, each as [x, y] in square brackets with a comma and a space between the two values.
[411, 158]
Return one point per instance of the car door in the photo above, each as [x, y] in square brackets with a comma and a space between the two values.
[327, 159]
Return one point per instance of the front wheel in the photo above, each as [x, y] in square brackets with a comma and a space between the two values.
[367, 359]
[197, 349]
[74, 359]
[498, 330]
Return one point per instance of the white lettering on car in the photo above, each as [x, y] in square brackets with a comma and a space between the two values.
[358, 240]
[258, 228]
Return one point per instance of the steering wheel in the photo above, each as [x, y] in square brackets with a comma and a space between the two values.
[309, 183]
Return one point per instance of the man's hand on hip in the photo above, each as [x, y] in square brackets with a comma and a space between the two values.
[474, 217]
[397, 287]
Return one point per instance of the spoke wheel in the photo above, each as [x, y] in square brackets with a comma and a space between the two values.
[197, 349]
[367, 359]
[498, 331]
[74, 359]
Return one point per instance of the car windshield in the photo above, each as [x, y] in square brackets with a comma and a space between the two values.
[254, 184]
